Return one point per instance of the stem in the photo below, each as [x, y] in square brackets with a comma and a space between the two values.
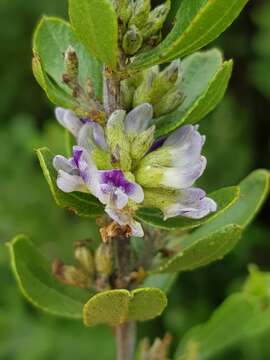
[111, 91]
[125, 339]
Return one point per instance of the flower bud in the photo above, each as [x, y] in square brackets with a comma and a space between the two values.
[143, 91]
[70, 275]
[142, 143]
[140, 14]
[156, 19]
[103, 259]
[127, 93]
[124, 10]
[132, 41]
[169, 102]
[71, 64]
[118, 141]
[85, 258]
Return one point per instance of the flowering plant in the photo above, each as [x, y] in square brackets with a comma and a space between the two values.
[130, 108]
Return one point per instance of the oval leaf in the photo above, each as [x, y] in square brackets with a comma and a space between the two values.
[51, 39]
[33, 274]
[216, 238]
[205, 79]
[241, 316]
[197, 24]
[225, 198]
[81, 204]
[114, 307]
[95, 23]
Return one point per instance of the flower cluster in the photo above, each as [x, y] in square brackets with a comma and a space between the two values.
[125, 168]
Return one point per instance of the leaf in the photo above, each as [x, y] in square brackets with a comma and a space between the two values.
[217, 237]
[240, 317]
[197, 24]
[205, 79]
[95, 23]
[51, 39]
[33, 274]
[163, 282]
[115, 307]
[224, 197]
[81, 204]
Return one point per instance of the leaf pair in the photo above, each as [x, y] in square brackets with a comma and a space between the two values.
[33, 274]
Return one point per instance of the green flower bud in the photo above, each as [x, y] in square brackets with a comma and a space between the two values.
[132, 41]
[169, 102]
[141, 11]
[118, 141]
[159, 198]
[149, 176]
[143, 92]
[102, 159]
[103, 259]
[142, 143]
[127, 93]
[124, 10]
[85, 258]
[71, 64]
[156, 19]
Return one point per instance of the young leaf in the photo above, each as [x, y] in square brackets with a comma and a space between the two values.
[241, 316]
[82, 204]
[197, 24]
[214, 239]
[225, 198]
[95, 23]
[115, 307]
[33, 274]
[205, 79]
[51, 39]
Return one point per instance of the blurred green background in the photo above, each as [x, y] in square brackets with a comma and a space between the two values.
[238, 141]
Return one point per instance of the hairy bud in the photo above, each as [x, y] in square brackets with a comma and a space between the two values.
[70, 275]
[156, 19]
[132, 41]
[71, 64]
[85, 258]
[103, 259]
[142, 143]
[169, 102]
[141, 11]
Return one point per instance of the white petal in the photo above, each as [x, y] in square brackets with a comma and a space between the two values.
[62, 163]
[68, 120]
[69, 183]
[139, 118]
[120, 199]
[136, 193]
[124, 218]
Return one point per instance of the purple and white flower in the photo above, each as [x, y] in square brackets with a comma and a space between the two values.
[169, 166]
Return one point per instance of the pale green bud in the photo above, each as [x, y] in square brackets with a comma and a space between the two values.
[102, 159]
[142, 143]
[169, 102]
[149, 176]
[159, 198]
[141, 11]
[132, 41]
[156, 19]
[118, 141]
[127, 93]
[103, 259]
[85, 258]
[124, 10]
[143, 92]
[71, 64]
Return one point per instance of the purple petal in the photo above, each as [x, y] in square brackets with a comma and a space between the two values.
[67, 165]
[91, 135]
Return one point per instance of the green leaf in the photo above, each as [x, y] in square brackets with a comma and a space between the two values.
[33, 274]
[241, 316]
[224, 197]
[95, 23]
[163, 282]
[80, 203]
[51, 39]
[217, 237]
[197, 24]
[205, 79]
[115, 307]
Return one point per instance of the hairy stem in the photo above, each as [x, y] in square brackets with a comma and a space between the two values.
[125, 338]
